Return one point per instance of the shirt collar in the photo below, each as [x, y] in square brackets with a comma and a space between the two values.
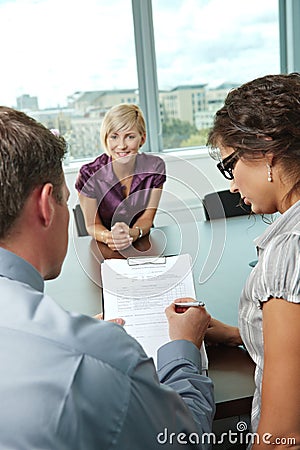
[16, 268]
[139, 170]
[288, 221]
[110, 176]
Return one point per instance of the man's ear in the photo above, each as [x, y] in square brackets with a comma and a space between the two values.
[46, 204]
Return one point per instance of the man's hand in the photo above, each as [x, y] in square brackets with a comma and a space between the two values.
[118, 320]
[187, 323]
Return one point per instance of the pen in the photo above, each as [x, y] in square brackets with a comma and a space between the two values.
[187, 304]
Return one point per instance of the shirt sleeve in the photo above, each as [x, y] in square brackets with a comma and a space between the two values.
[85, 182]
[180, 367]
[176, 411]
[117, 400]
[160, 175]
[279, 275]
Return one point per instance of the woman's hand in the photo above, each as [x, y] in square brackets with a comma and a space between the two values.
[221, 333]
[118, 238]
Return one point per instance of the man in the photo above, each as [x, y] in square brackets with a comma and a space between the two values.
[69, 381]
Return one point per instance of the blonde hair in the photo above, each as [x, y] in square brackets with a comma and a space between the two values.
[122, 117]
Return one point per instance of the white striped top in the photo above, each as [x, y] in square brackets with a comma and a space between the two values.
[276, 275]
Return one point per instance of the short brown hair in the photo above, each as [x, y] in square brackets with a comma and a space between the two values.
[30, 156]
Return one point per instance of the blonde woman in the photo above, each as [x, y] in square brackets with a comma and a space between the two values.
[119, 191]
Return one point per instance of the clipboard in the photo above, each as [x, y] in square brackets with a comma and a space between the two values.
[139, 290]
[146, 260]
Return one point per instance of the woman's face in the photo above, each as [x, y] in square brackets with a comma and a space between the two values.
[123, 145]
[251, 181]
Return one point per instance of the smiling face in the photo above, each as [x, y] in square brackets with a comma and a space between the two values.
[124, 145]
[251, 181]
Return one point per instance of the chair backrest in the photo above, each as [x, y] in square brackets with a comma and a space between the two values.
[224, 204]
[79, 221]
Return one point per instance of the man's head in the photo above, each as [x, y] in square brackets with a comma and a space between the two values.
[30, 156]
[32, 185]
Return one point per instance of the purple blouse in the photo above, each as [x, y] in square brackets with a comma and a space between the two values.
[98, 180]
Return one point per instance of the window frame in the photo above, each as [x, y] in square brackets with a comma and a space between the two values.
[147, 72]
[289, 35]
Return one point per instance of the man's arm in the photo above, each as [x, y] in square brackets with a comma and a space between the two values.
[179, 367]
[118, 400]
[177, 411]
[180, 410]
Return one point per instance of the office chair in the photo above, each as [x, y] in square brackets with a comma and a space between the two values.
[79, 221]
[222, 204]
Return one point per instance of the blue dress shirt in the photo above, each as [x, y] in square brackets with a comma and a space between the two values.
[72, 382]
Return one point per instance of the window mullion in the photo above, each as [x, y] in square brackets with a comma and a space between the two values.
[147, 72]
[289, 21]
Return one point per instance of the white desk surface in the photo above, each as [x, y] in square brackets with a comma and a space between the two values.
[223, 248]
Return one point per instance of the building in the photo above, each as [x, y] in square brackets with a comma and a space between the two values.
[27, 103]
[85, 102]
[214, 101]
[183, 102]
[80, 122]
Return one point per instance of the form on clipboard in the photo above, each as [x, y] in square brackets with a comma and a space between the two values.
[139, 289]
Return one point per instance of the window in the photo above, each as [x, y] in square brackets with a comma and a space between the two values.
[203, 49]
[65, 63]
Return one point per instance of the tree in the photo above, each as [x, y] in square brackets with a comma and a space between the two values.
[200, 138]
[175, 132]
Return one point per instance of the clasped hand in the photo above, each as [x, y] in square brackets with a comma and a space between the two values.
[119, 237]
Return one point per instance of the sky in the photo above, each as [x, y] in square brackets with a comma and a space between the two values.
[54, 48]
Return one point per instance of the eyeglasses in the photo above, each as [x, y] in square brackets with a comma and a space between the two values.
[226, 166]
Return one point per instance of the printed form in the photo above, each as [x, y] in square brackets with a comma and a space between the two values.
[139, 290]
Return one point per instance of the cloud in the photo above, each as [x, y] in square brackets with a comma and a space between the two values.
[212, 40]
[52, 48]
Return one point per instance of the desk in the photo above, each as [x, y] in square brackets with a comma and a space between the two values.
[223, 248]
[232, 372]
[221, 252]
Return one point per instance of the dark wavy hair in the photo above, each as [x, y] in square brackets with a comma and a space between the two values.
[30, 156]
[262, 116]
